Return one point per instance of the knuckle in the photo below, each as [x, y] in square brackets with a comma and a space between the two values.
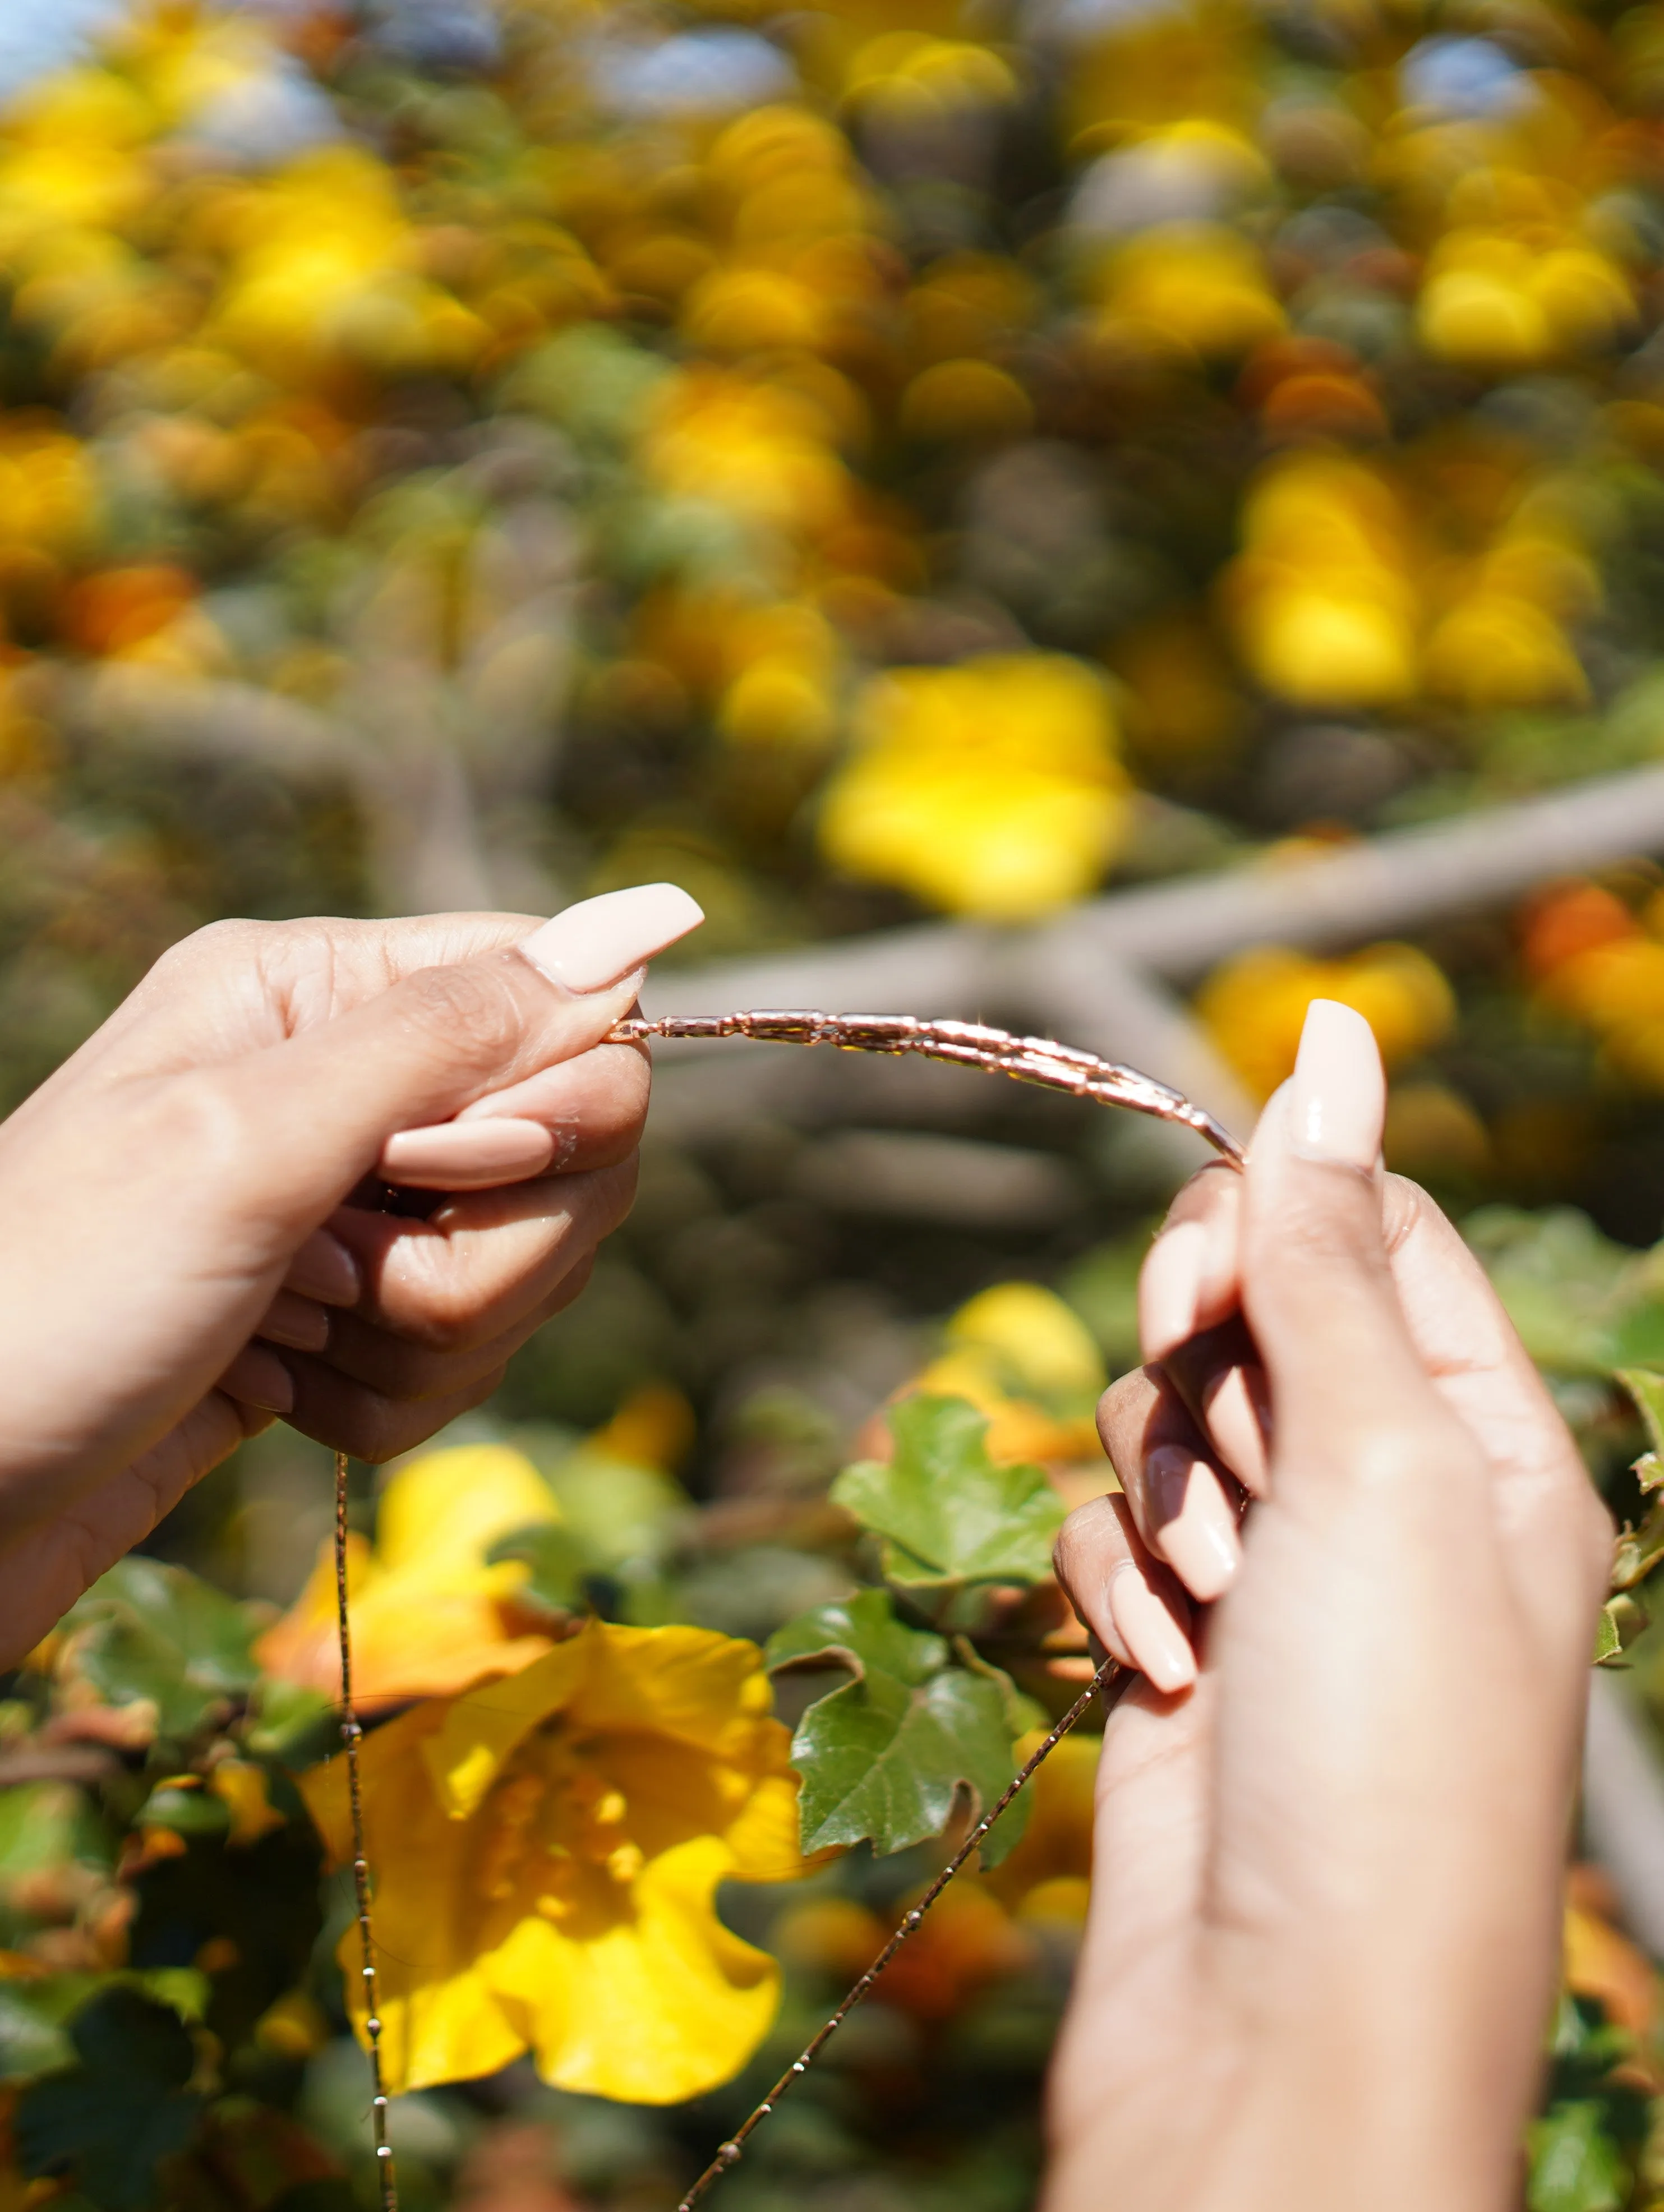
[470, 1010]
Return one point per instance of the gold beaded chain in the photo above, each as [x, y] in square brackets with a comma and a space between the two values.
[967, 1044]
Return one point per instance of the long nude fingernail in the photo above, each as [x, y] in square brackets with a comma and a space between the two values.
[1237, 1410]
[1171, 1288]
[601, 940]
[1338, 1093]
[323, 1269]
[1191, 1524]
[258, 1377]
[301, 1324]
[1159, 1646]
[466, 1154]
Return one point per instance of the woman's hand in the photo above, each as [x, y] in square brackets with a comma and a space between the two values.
[1324, 1937]
[194, 1235]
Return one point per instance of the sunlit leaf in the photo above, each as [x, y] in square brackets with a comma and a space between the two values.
[887, 1756]
[948, 1514]
[149, 1630]
[1574, 2164]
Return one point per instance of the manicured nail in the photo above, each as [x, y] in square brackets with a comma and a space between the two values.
[466, 1154]
[1191, 1524]
[301, 1323]
[1170, 1287]
[258, 1377]
[1236, 1406]
[602, 940]
[1159, 1646]
[323, 1269]
[1338, 1093]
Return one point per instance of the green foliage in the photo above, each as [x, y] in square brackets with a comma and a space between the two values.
[35, 2036]
[948, 1515]
[149, 1632]
[885, 1756]
[607, 1552]
[1582, 2148]
[1582, 1305]
[107, 2122]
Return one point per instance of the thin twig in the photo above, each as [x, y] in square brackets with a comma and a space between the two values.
[967, 1044]
[351, 1735]
[1110, 1677]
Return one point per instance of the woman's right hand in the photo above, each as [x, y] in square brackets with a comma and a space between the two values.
[1323, 1943]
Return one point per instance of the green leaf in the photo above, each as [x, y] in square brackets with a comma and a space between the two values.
[948, 1515]
[1575, 2166]
[107, 2122]
[1646, 1386]
[1621, 1621]
[147, 1630]
[1582, 1303]
[885, 1756]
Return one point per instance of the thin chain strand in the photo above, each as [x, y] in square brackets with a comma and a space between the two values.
[1110, 1679]
[968, 1045]
[351, 1734]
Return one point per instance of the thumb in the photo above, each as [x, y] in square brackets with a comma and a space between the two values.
[1317, 1288]
[319, 1108]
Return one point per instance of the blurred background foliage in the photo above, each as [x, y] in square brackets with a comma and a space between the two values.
[861, 459]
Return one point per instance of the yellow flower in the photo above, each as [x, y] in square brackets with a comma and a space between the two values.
[1048, 1877]
[1027, 1361]
[429, 1614]
[990, 789]
[1493, 301]
[548, 1849]
[1255, 1005]
[1199, 287]
[324, 264]
[758, 450]
[1322, 595]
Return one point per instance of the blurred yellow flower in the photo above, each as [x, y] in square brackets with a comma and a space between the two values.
[1047, 1876]
[1494, 649]
[548, 1849]
[73, 157]
[1493, 301]
[745, 445]
[1320, 595]
[908, 73]
[1042, 1343]
[323, 264]
[993, 787]
[428, 1613]
[1028, 1362]
[1254, 1005]
[965, 401]
[1197, 286]
[49, 495]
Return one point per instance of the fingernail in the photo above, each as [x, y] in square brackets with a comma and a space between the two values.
[1159, 1646]
[466, 1154]
[1237, 1410]
[301, 1323]
[601, 940]
[323, 1269]
[1170, 1288]
[1193, 1526]
[258, 1377]
[1337, 1094]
